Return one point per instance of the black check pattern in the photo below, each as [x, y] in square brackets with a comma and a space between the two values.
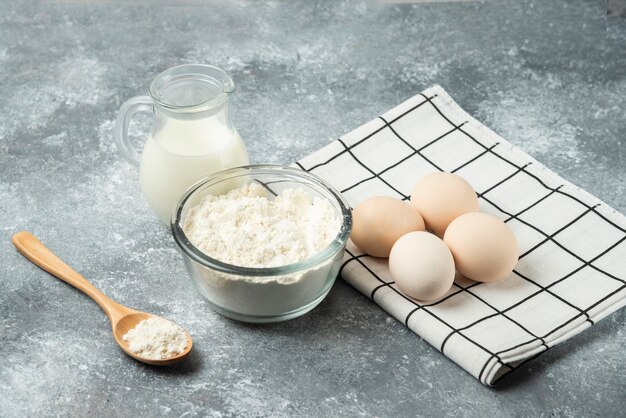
[572, 270]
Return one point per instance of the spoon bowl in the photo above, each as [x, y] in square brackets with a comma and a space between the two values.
[130, 321]
[122, 318]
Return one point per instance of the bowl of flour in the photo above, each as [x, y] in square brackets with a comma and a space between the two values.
[262, 243]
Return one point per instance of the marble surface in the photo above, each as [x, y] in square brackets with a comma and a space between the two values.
[548, 76]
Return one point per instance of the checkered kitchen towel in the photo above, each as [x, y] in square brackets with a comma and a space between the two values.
[572, 268]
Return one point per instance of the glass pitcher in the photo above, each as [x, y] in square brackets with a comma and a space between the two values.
[192, 135]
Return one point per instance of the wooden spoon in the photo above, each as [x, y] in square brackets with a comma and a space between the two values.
[122, 318]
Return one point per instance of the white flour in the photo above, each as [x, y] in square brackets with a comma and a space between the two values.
[245, 228]
[248, 227]
[156, 339]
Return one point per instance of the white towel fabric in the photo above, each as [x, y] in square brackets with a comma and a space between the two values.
[572, 268]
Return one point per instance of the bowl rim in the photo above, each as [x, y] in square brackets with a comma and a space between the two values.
[336, 245]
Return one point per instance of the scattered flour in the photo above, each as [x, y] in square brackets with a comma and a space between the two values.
[156, 339]
[246, 228]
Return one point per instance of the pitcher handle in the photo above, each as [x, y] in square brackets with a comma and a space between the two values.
[128, 109]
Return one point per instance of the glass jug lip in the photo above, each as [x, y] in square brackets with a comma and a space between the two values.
[220, 82]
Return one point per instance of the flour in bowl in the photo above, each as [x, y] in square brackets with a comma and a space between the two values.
[248, 228]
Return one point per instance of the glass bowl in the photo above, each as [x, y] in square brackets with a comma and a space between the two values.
[263, 294]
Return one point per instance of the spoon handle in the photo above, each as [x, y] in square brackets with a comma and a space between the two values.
[33, 249]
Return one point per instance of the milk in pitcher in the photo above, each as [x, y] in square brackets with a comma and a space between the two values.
[181, 153]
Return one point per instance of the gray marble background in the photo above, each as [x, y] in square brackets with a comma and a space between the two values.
[550, 76]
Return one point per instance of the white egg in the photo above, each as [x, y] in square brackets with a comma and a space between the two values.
[422, 266]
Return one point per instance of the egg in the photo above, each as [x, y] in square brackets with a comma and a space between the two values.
[484, 248]
[422, 266]
[378, 222]
[442, 197]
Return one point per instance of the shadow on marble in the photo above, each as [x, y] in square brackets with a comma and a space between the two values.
[190, 366]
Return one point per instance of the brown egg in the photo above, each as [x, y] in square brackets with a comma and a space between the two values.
[442, 197]
[378, 222]
[484, 248]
